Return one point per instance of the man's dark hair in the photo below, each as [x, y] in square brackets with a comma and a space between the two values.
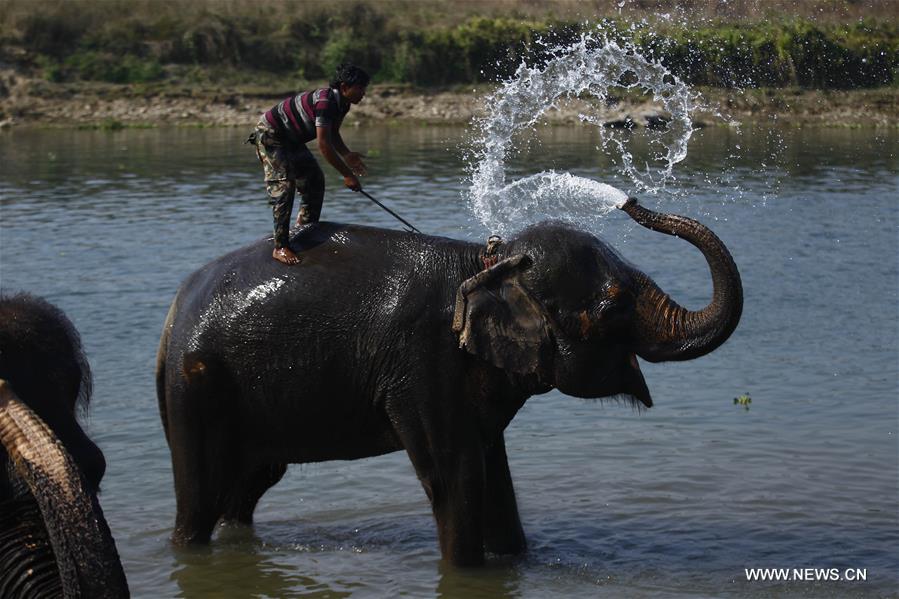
[349, 74]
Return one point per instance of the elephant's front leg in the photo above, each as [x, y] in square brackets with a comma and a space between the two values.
[503, 533]
[457, 499]
[453, 479]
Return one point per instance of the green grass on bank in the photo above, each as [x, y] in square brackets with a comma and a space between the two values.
[401, 42]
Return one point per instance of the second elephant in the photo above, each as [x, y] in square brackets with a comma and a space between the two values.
[54, 540]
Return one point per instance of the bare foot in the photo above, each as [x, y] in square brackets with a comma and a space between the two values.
[285, 255]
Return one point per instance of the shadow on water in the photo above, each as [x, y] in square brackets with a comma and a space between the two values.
[570, 552]
[499, 578]
[240, 560]
[260, 565]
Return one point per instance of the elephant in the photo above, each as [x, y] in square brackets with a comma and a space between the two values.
[54, 539]
[382, 340]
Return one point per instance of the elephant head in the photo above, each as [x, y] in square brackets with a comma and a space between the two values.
[564, 307]
[54, 540]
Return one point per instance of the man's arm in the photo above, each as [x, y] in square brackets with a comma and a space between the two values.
[326, 145]
[337, 140]
[352, 159]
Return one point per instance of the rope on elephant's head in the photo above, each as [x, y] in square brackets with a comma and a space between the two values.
[489, 257]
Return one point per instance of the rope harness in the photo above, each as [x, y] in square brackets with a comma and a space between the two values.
[489, 257]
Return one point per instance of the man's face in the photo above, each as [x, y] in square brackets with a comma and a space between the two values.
[353, 93]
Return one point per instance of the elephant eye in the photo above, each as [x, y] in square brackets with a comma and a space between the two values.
[610, 313]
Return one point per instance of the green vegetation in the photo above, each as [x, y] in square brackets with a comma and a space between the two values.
[744, 400]
[111, 124]
[795, 53]
[432, 43]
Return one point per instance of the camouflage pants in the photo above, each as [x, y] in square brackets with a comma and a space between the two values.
[287, 168]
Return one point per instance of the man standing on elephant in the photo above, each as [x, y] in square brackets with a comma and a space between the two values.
[281, 137]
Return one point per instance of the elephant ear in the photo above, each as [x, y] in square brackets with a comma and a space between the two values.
[497, 319]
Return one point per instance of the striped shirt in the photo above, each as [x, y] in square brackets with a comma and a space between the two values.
[297, 117]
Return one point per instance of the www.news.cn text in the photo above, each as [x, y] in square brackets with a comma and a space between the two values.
[806, 574]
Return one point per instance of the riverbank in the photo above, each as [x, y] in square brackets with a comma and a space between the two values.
[27, 102]
[148, 63]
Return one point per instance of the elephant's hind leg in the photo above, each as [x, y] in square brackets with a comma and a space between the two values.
[202, 441]
[200, 487]
[248, 490]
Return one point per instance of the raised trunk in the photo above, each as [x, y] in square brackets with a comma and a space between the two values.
[664, 330]
[85, 552]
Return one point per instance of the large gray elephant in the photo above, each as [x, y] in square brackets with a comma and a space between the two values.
[54, 540]
[382, 341]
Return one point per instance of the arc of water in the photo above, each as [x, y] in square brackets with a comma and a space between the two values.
[590, 67]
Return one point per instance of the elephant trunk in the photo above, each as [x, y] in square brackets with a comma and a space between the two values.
[27, 565]
[664, 330]
[85, 552]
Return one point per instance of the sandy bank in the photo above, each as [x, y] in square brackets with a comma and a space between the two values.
[28, 102]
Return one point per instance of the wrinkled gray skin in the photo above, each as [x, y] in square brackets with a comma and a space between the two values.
[54, 540]
[383, 341]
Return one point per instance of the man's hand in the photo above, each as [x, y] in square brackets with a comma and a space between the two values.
[352, 183]
[354, 161]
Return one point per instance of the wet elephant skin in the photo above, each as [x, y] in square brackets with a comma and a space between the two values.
[383, 340]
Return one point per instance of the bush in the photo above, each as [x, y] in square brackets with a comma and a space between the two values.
[51, 69]
[797, 54]
[75, 40]
[101, 66]
[119, 37]
[345, 46]
[401, 63]
[358, 33]
[53, 35]
[492, 48]
[435, 58]
[210, 40]
[274, 52]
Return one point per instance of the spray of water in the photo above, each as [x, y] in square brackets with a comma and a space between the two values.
[593, 69]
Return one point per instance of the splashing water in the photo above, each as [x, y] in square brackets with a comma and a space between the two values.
[590, 68]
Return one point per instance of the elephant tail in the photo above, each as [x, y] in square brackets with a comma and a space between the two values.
[161, 356]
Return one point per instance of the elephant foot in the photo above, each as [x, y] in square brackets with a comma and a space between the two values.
[235, 531]
[195, 529]
[241, 521]
[183, 538]
[286, 256]
[512, 546]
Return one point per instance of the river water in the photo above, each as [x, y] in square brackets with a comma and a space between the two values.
[675, 501]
